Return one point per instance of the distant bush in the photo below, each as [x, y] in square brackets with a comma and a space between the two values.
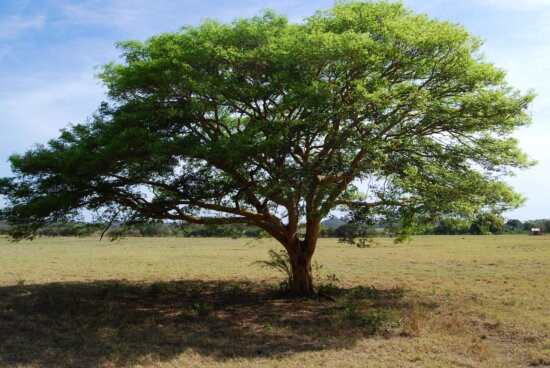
[70, 229]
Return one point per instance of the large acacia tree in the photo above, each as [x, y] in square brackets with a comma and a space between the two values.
[274, 124]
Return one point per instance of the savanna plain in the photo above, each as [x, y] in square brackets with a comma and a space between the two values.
[438, 301]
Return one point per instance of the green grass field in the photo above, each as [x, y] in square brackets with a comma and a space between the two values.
[439, 301]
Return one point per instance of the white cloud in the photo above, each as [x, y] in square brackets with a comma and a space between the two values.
[144, 18]
[14, 25]
[111, 13]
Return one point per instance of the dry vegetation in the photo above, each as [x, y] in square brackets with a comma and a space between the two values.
[436, 302]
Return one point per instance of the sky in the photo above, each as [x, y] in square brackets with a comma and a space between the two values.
[50, 51]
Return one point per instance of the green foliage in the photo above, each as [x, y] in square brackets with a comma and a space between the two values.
[69, 229]
[157, 289]
[358, 230]
[543, 224]
[354, 234]
[482, 224]
[487, 223]
[232, 231]
[329, 289]
[147, 228]
[373, 321]
[201, 308]
[349, 312]
[452, 226]
[267, 123]
[241, 288]
[514, 225]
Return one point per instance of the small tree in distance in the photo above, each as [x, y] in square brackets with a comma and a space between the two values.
[514, 225]
[487, 223]
[273, 124]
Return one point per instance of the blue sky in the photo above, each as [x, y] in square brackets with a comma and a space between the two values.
[49, 51]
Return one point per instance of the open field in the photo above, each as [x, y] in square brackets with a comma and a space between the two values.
[439, 301]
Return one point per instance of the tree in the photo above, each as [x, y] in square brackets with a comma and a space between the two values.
[528, 225]
[514, 225]
[487, 223]
[543, 224]
[274, 124]
[452, 225]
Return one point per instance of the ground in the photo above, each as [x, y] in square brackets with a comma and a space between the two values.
[439, 301]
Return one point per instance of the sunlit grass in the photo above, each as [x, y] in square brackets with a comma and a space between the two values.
[171, 302]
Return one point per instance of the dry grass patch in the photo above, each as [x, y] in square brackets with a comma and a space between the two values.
[437, 302]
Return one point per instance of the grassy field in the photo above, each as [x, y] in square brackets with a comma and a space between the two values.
[439, 301]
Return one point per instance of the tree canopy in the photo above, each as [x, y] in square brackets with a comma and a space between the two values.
[260, 121]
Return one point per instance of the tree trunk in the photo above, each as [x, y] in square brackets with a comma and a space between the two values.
[302, 279]
[300, 253]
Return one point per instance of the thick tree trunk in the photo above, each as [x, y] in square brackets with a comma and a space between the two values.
[302, 279]
[300, 253]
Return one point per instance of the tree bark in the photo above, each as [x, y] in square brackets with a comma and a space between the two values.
[302, 279]
[301, 253]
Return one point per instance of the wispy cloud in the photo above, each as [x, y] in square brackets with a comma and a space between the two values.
[103, 13]
[15, 25]
[145, 17]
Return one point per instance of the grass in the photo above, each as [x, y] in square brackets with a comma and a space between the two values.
[436, 302]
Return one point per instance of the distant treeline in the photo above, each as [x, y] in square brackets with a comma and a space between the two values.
[487, 224]
[160, 229]
[483, 224]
